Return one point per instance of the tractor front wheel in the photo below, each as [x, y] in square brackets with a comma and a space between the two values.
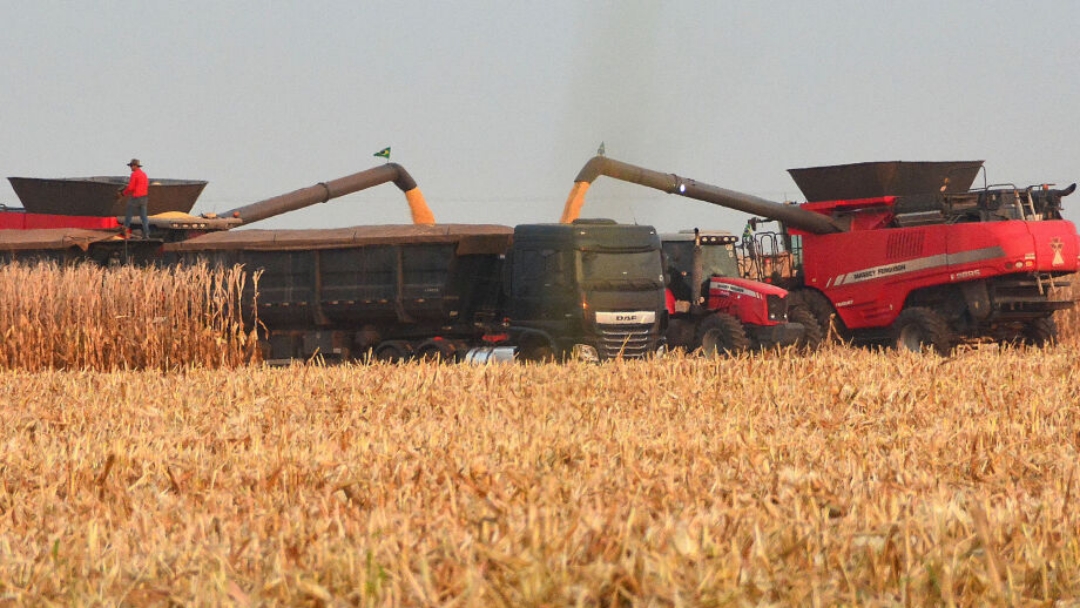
[722, 334]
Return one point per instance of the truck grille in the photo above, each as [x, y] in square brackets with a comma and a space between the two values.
[627, 341]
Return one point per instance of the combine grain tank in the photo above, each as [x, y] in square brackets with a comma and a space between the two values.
[72, 219]
[96, 196]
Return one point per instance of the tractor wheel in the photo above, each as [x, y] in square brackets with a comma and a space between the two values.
[814, 336]
[921, 329]
[722, 334]
[1040, 332]
[832, 328]
[681, 334]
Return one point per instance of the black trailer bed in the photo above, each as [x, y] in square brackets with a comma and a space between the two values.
[400, 278]
[470, 238]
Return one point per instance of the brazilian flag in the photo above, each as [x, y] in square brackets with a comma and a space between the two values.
[384, 153]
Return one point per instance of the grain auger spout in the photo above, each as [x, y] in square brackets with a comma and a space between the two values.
[790, 215]
[324, 191]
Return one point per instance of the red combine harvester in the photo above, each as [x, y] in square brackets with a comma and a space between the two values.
[906, 254]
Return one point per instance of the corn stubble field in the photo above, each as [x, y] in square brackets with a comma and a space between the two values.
[843, 477]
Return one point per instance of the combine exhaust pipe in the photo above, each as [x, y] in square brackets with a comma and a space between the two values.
[324, 191]
[790, 215]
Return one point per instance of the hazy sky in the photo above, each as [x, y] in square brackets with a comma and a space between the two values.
[494, 106]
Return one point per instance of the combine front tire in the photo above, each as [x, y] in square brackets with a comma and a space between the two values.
[832, 328]
[813, 337]
[1040, 332]
[722, 334]
[921, 329]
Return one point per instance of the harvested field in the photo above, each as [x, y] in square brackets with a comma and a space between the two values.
[846, 477]
[849, 477]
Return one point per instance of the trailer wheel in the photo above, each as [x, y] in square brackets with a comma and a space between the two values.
[921, 329]
[813, 337]
[722, 334]
[393, 351]
[1040, 332]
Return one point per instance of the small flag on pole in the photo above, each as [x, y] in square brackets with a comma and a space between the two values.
[384, 153]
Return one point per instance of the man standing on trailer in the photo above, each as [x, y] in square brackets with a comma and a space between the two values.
[138, 191]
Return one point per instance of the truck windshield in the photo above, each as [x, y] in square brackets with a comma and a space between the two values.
[621, 270]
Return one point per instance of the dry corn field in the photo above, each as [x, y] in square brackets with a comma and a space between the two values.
[847, 477]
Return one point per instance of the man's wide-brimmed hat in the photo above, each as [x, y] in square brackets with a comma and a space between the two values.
[134, 163]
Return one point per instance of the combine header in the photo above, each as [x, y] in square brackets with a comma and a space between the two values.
[906, 253]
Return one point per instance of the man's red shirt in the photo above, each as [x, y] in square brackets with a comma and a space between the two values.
[138, 184]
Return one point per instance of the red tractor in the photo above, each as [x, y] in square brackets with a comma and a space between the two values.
[906, 253]
[720, 312]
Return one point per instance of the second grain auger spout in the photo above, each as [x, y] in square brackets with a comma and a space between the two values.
[324, 191]
[791, 215]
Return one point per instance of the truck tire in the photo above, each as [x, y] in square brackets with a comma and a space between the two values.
[831, 327]
[722, 334]
[813, 336]
[439, 351]
[1040, 332]
[536, 350]
[921, 329]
